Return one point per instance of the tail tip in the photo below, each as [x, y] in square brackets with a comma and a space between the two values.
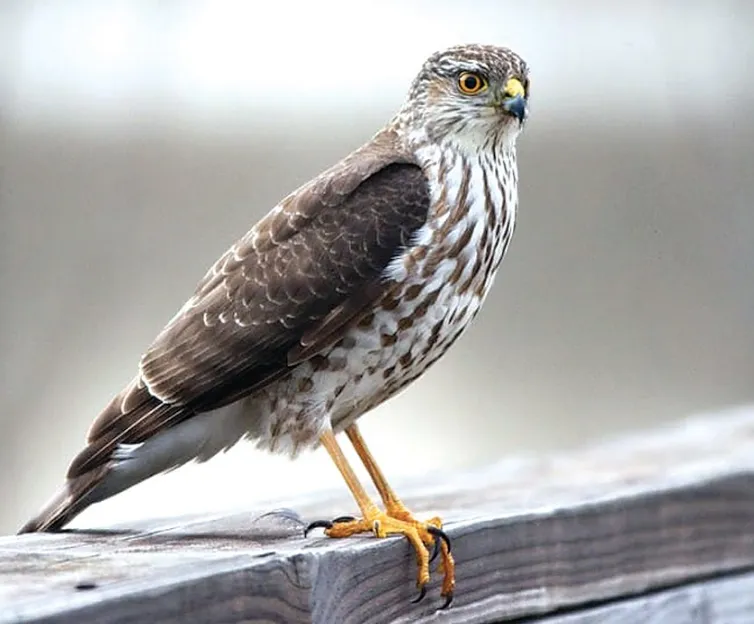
[53, 516]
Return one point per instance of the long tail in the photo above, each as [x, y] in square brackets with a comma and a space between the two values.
[112, 463]
[107, 464]
[69, 501]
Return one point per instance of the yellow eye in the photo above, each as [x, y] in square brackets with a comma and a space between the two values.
[471, 83]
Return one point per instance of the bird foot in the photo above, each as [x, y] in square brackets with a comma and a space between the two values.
[422, 536]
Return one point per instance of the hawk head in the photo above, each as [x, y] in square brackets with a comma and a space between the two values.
[475, 96]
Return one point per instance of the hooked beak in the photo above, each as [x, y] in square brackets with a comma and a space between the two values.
[514, 99]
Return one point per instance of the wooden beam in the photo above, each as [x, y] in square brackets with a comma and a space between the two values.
[621, 521]
[724, 601]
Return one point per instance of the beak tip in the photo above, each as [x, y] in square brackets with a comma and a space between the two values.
[516, 106]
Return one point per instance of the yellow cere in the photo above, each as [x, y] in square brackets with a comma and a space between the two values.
[514, 87]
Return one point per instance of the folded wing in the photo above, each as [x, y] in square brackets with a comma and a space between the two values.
[283, 293]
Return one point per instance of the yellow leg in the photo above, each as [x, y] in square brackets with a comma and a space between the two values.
[365, 504]
[375, 520]
[393, 505]
[396, 509]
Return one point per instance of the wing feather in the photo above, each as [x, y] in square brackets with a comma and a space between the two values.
[289, 302]
[282, 294]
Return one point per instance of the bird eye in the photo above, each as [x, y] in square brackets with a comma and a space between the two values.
[471, 83]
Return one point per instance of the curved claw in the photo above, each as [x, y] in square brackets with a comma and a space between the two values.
[448, 600]
[317, 524]
[343, 519]
[435, 551]
[439, 533]
[420, 597]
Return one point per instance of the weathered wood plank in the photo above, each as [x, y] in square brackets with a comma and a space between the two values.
[723, 601]
[530, 536]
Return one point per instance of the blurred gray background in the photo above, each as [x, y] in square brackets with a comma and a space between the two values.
[139, 139]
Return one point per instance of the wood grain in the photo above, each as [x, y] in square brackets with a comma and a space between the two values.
[653, 522]
[723, 601]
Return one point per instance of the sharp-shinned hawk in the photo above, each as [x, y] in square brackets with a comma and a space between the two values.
[348, 290]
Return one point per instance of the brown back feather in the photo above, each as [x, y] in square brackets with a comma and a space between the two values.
[282, 294]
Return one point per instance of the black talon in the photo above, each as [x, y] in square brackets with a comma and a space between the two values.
[448, 600]
[317, 524]
[343, 519]
[435, 550]
[433, 530]
[420, 597]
